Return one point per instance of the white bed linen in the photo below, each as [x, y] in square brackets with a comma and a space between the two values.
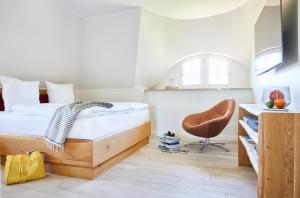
[48, 109]
[90, 128]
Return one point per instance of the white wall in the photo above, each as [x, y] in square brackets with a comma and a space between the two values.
[43, 40]
[40, 39]
[227, 34]
[163, 42]
[111, 50]
[115, 95]
[169, 108]
[155, 49]
[134, 49]
[110, 56]
[288, 76]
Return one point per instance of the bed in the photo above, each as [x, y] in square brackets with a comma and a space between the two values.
[87, 153]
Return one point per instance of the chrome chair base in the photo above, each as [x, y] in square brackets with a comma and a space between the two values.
[207, 143]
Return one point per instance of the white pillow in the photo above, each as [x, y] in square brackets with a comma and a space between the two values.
[15, 91]
[60, 93]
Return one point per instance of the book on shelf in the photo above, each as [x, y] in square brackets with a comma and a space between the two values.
[250, 117]
[252, 122]
[249, 139]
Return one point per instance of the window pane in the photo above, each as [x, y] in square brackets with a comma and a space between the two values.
[186, 69]
[218, 71]
[192, 66]
[191, 72]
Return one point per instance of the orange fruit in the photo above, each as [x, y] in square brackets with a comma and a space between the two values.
[279, 103]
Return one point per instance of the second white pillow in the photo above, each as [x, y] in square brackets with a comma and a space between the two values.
[60, 93]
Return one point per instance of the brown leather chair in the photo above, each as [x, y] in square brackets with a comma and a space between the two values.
[210, 123]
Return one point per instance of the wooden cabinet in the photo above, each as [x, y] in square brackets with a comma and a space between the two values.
[277, 162]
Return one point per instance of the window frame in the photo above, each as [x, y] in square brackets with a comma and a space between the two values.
[204, 71]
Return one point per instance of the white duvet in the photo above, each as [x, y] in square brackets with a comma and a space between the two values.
[91, 128]
[48, 109]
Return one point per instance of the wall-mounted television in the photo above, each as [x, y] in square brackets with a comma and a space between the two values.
[276, 36]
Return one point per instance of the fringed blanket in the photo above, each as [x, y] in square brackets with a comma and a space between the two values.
[63, 120]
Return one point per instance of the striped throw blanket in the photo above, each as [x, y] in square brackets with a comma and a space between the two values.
[63, 120]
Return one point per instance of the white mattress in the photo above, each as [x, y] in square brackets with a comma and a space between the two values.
[90, 128]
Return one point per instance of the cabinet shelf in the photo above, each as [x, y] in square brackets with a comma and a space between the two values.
[253, 135]
[277, 163]
[252, 153]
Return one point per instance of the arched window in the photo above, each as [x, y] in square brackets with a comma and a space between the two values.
[205, 71]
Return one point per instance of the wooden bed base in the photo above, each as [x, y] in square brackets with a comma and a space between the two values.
[82, 158]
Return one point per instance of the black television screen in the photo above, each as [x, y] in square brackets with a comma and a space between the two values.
[276, 36]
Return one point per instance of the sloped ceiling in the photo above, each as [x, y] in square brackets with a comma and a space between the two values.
[176, 9]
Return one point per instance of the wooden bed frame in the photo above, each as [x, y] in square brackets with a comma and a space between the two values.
[81, 158]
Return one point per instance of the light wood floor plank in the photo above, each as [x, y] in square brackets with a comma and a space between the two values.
[151, 173]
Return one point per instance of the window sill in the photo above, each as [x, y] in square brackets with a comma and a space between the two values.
[200, 89]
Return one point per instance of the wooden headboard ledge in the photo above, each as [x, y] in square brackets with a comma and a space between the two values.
[43, 98]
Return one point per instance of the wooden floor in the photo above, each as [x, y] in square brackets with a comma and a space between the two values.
[149, 173]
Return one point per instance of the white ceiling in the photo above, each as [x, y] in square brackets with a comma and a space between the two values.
[179, 9]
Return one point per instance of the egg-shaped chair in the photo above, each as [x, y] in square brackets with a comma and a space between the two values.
[210, 123]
